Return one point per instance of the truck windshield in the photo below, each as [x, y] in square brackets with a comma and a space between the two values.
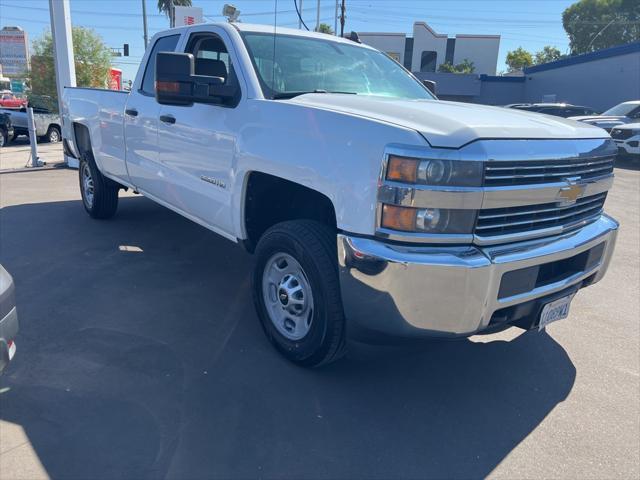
[311, 65]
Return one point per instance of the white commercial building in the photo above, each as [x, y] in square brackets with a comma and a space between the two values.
[14, 51]
[426, 50]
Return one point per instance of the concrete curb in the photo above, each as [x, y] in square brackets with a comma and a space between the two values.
[35, 169]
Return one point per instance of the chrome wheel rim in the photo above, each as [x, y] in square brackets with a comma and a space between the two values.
[87, 185]
[1, 140]
[287, 296]
[54, 136]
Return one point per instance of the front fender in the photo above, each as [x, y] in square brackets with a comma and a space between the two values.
[338, 155]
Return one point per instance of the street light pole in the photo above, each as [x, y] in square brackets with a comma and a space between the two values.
[144, 23]
[335, 20]
[318, 18]
[60, 13]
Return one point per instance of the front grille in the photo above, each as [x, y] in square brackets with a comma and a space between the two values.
[621, 134]
[505, 221]
[531, 172]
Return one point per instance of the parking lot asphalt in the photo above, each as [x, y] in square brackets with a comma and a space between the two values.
[140, 356]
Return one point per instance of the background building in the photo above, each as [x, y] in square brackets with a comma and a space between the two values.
[426, 50]
[598, 79]
[14, 51]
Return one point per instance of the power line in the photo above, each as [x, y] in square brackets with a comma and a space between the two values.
[295, 2]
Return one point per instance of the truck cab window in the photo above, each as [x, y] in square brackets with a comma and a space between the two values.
[163, 44]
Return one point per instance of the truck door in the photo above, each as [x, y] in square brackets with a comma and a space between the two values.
[197, 142]
[141, 124]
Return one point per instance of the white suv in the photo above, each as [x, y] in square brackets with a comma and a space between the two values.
[627, 137]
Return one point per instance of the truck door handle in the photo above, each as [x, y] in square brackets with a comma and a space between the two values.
[168, 119]
[132, 112]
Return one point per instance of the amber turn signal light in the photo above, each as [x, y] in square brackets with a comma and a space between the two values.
[401, 169]
[399, 218]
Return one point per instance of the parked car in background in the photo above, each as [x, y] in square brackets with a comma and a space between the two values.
[6, 129]
[556, 109]
[47, 123]
[625, 112]
[627, 137]
[9, 100]
[8, 318]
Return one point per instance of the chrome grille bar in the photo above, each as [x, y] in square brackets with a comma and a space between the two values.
[529, 210]
[491, 167]
[506, 221]
[544, 171]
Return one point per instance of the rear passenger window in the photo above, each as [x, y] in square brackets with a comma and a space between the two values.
[163, 44]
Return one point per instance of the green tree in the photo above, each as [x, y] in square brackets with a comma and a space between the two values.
[92, 61]
[596, 24]
[465, 67]
[164, 6]
[546, 55]
[324, 28]
[518, 59]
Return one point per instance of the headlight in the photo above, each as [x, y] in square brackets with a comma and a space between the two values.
[428, 220]
[459, 173]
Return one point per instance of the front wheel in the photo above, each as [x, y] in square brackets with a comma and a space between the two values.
[99, 194]
[297, 294]
[4, 137]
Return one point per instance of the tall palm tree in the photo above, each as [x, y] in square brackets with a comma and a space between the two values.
[164, 6]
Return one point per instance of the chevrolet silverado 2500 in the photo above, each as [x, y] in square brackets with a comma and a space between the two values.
[371, 206]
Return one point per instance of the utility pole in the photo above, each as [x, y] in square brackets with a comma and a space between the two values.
[144, 23]
[172, 15]
[300, 17]
[318, 18]
[342, 10]
[335, 20]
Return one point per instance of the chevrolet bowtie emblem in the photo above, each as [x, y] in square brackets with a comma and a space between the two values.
[569, 194]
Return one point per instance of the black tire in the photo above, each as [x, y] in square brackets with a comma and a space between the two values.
[4, 138]
[104, 202]
[313, 246]
[53, 134]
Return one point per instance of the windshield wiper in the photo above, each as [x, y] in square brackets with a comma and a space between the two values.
[284, 95]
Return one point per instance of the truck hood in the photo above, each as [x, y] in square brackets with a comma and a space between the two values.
[452, 124]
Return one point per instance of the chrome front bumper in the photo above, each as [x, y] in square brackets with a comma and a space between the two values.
[454, 290]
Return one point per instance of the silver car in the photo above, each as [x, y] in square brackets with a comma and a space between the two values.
[625, 112]
[8, 318]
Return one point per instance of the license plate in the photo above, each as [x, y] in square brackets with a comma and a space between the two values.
[554, 311]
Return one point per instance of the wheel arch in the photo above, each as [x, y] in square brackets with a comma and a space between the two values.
[269, 199]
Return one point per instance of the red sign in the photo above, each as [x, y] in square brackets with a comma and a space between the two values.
[115, 79]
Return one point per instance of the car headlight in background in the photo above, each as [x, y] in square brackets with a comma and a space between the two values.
[436, 172]
[428, 220]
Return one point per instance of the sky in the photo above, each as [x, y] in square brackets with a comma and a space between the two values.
[531, 24]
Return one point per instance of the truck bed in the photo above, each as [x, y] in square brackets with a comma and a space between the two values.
[101, 111]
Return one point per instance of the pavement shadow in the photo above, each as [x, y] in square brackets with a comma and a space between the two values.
[149, 362]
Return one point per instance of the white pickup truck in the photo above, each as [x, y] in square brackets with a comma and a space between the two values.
[372, 207]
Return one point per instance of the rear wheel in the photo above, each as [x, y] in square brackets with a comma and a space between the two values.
[99, 194]
[53, 134]
[4, 137]
[296, 292]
